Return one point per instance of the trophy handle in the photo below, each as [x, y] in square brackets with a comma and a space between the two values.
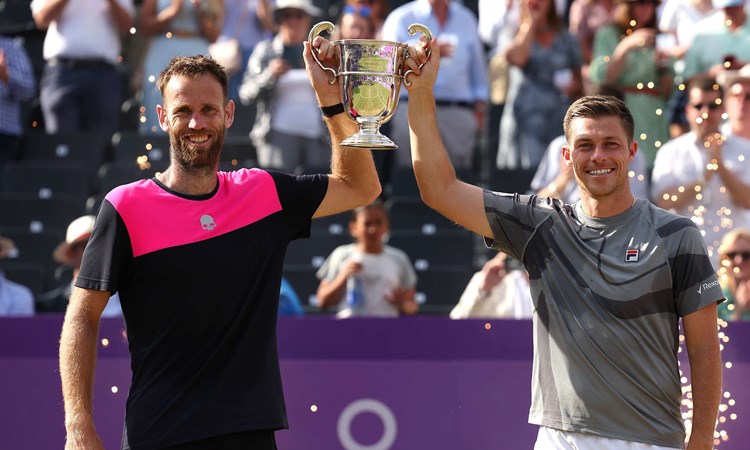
[329, 28]
[413, 28]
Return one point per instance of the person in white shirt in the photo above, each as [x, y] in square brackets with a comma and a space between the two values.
[368, 277]
[705, 174]
[80, 87]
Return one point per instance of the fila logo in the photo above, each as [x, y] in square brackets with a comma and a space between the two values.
[632, 255]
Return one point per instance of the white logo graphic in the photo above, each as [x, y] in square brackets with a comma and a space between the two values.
[707, 286]
[632, 255]
[376, 407]
[207, 222]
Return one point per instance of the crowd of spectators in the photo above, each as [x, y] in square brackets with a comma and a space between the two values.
[509, 70]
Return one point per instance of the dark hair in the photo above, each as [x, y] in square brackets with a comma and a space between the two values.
[192, 67]
[376, 204]
[705, 84]
[596, 106]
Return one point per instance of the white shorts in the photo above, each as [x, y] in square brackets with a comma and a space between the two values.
[554, 439]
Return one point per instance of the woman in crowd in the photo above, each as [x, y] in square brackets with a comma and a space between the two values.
[550, 59]
[626, 63]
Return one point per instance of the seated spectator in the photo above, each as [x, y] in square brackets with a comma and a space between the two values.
[555, 179]
[288, 132]
[15, 299]
[496, 291]
[734, 275]
[374, 278]
[70, 253]
[289, 304]
[16, 86]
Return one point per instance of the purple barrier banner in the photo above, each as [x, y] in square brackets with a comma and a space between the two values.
[357, 384]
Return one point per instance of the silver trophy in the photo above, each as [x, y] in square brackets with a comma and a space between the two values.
[370, 72]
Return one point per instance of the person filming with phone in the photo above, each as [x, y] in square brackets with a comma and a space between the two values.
[288, 131]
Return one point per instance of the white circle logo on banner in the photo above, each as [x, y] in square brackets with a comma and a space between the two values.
[376, 407]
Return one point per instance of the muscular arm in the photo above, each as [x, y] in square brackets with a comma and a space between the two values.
[353, 180]
[705, 367]
[438, 186]
[77, 361]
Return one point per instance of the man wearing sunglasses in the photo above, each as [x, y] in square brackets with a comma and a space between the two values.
[705, 174]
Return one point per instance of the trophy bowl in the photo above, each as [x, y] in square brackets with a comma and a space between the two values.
[370, 73]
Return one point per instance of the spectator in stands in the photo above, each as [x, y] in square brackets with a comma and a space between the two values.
[355, 23]
[80, 89]
[288, 133]
[720, 42]
[368, 277]
[376, 10]
[249, 22]
[703, 174]
[734, 274]
[17, 85]
[553, 178]
[461, 88]
[586, 17]
[499, 290]
[550, 61]
[15, 299]
[174, 28]
[625, 61]
[677, 25]
[70, 253]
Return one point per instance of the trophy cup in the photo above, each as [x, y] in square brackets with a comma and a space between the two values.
[370, 72]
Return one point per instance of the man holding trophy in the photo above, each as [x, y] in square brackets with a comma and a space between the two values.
[611, 277]
[196, 255]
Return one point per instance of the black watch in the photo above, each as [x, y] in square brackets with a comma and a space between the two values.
[333, 110]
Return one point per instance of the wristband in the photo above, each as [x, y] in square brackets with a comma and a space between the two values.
[330, 111]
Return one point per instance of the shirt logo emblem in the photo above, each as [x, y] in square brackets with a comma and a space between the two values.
[207, 222]
[632, 255]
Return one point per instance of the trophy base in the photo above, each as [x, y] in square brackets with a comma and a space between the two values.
[367, 140]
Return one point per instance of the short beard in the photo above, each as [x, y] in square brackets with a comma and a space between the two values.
[190, 160]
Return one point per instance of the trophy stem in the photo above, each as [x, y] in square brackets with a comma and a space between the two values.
[369, 136]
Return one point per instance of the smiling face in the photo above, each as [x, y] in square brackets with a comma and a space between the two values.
[599, 152]
[195, 117]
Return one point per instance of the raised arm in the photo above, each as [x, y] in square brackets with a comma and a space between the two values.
[702, 343]
[439, 188]
[353, 180]
[77, 360]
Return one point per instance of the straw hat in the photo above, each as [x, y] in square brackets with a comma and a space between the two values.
[79, 230]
